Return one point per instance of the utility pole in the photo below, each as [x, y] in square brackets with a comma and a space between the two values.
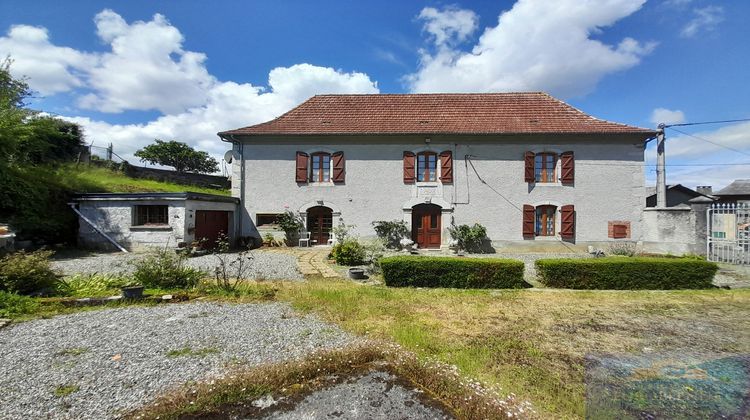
[661, 169]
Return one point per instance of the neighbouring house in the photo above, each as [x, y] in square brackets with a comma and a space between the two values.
[736, 192]
[530, 168]
[678, 195]
[138, 220]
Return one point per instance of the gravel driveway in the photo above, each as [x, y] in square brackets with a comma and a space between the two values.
[264, 265]
[96, 364]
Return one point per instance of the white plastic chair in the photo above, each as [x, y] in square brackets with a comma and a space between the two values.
[305, 240]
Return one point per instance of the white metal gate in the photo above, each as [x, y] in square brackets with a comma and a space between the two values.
[728, 233]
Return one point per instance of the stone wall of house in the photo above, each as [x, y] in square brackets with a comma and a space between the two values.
[488, 185]
[115, 218]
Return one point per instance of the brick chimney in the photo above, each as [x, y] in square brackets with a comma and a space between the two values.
[704, 189]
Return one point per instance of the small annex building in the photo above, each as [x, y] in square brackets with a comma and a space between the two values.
[139, 220]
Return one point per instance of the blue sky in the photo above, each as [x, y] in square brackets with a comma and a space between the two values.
[133, 71]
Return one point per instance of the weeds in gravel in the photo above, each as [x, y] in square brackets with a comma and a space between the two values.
[65, 390]
[466, 399]
[188, 351]
[73, 351]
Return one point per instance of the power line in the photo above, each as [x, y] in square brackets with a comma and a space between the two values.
[703, 123]
[709, 141]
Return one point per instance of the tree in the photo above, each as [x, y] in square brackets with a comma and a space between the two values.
[13, 114]
[179, 156]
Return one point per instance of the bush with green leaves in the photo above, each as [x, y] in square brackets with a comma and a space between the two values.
[349, 252]
[165, 269]
[291, 224]
[27, 272]
[13, 305]
[91, 285]
[469, 238]
[461, 273]
[627, 273]
[391, 232]
[625, 249]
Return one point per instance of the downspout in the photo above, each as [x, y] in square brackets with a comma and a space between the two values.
[96, 228]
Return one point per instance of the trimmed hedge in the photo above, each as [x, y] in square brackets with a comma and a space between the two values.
[626, 273]
[461, 273]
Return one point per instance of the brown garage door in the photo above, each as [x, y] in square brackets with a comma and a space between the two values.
[209, 224]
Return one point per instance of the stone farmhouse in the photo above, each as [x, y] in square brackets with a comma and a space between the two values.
[532, 169]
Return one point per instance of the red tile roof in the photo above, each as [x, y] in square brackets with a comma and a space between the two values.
[441, 113]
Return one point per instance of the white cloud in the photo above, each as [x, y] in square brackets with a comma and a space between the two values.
[49, 68]
[667, 116]
[704, 19]
[449, 26]
[734, 136]
[147, 68]
[537, 45]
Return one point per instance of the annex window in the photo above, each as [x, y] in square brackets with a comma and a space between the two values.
[150, 215]
[426, 167]
[267, 220]
[320, 168]
[544, 167]
[545, 220]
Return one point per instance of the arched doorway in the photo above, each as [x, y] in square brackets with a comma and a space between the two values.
[425, 225]
[319, 224]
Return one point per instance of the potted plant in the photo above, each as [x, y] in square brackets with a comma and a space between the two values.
[132, 291]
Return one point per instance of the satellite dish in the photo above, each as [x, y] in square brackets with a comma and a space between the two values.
[229, 156]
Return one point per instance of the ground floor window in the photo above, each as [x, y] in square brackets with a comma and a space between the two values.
[545, 220]
[150, 215]
[267, 220]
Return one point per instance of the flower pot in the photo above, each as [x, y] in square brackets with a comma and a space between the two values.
[132, 292]
[357, 273]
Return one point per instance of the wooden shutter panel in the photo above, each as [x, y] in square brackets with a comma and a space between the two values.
[409, 162]
[567, 167]
[567, 222]
[338, 166]
[301, 173]
[528, 220]
[446, 167]
[528, 171]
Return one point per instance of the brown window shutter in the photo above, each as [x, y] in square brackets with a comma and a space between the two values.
[528, 171]
[338, 166]
[446, 167]
[567, 165]
[528, 220]
[301, 173]
[567, 221]
[409, 162]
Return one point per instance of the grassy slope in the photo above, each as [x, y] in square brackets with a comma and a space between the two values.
[531, 342]
[93, 179]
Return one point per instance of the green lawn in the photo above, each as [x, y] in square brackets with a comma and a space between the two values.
[532, 342]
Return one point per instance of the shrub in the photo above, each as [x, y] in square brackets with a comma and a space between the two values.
[27, 273]
[462, 273]
[627, 273]
[469, 238]
[626, 249]
[13, 305]
[165, 269]
[348, 252]
[391, 232]
[341, 232]
[291, 224]
[85, 285]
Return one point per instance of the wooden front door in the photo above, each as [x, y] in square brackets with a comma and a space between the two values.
[209, 224]
[319, 224]
[425, 225]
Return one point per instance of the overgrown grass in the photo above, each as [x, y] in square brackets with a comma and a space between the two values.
[189, 351]
[94, 179]
[532, 342]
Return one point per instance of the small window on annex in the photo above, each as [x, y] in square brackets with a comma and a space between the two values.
[545, 220]
[150, 215]
[426, 167]
[544, 167]
[267, 220]
[320, 170]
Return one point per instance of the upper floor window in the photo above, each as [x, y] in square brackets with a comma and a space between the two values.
[426, 167]
[320, 168]
[545, 220]
[544, 167]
